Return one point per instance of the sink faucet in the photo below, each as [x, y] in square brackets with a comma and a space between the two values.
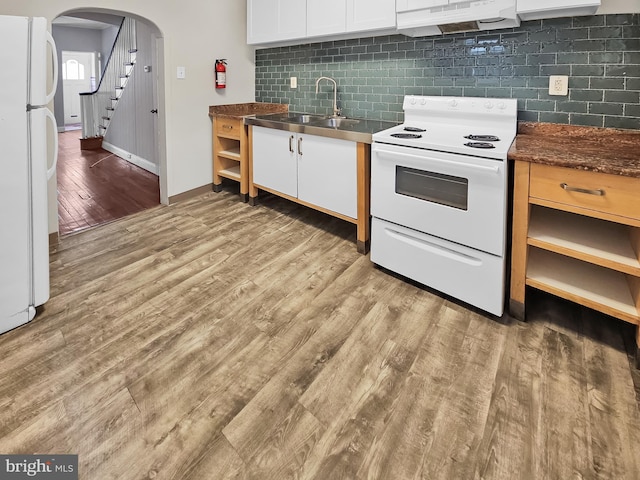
[336, 110]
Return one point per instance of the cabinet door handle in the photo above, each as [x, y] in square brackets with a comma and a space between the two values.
[569, 188]
[291, 144]
[300, 146]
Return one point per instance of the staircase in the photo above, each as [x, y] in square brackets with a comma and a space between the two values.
[99, 106]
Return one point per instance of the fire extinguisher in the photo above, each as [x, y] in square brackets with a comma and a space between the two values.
[221, 73]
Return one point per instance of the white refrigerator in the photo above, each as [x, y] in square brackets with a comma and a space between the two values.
[26, 52]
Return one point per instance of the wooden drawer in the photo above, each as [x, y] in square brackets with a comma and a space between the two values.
[229, 127]
[589, 193]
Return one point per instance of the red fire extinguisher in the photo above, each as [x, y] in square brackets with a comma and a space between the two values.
[221, 73]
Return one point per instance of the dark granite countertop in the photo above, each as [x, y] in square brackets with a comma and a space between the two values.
[604, 150]
[237, 110]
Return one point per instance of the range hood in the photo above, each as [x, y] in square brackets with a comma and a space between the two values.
[417, 18]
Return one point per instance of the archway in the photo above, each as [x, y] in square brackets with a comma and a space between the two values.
[137, 130]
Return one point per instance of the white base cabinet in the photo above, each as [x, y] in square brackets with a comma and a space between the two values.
[327, 174]
[318, 171]
[275, 163]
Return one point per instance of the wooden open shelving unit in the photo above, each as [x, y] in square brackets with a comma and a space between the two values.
[576, 234]
[230, 144]
[230, 157]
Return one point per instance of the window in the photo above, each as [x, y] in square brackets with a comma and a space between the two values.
[72, 70]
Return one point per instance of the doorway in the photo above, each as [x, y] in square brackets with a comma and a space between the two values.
[78, 76]
[95, 187]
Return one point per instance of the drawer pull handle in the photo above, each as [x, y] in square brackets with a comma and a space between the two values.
[569, 188]
[228, 127]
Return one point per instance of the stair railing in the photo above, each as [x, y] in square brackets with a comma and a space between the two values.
[98, 106]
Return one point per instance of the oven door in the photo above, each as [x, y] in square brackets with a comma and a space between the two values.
[456, 197]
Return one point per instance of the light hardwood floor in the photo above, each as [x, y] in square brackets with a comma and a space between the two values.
[215, 340]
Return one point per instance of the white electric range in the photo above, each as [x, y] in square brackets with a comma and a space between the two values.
[439, 196]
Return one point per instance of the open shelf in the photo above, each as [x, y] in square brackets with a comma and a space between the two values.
[232, 153]
[593, 240]
[232, 173]
[591, 285]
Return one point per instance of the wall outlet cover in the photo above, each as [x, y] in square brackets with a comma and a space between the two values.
[559, 85]
[293, 81]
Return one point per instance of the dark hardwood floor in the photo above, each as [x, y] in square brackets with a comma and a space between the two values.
[212, 340]
[97, 187]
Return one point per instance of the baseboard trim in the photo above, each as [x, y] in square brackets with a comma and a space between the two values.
[181, 197]
[131, 158]
[53, 238]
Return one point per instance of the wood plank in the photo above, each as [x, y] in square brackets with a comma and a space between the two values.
[519, 239]
[511, 445]
[432, 397]
[97, 187]
[364, 196]
[613, 448]
[564, 430]
[265, 324]
[220, 460]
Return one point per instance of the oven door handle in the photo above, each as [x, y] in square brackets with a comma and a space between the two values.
[394, 155]
[434, 248]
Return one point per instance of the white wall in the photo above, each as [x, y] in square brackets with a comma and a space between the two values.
[195, 33]
[619, 6]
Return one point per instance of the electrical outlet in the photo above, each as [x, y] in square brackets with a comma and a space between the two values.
[558, 85]
[293, 82]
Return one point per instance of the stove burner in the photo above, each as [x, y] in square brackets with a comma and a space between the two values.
[405, 135]
[414, 129]
[480, 145]
[483, 138]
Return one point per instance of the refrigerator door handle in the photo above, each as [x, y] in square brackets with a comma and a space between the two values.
[52, 169]
[54, 82]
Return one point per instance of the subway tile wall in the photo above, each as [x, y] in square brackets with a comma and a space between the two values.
[600, 54]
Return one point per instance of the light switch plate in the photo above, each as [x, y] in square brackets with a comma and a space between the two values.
[293, 81]
[181, 72]
[559, 85]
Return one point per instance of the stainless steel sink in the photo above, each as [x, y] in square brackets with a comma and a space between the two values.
[307, 118]
[301, 118]
[336, 122]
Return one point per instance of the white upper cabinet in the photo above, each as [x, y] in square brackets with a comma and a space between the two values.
[326, 17]
[536, 9]
[330, 17]
[285, 21]
[364, 15]
[276, 20]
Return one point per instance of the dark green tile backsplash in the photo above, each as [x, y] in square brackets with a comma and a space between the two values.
[601, 55]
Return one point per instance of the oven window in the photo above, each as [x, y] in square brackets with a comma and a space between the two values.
[432, 187]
